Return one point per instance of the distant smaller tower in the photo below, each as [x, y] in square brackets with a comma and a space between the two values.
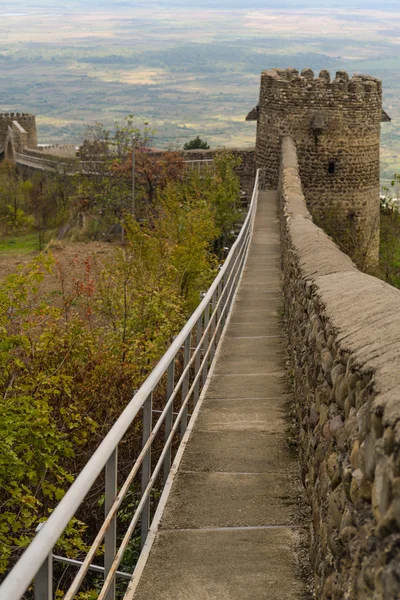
[336, 128]
[25, 120]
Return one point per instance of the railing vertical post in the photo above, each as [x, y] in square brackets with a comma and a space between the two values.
[44, 580]
[225, 304]
[199, 333]
[205, 344]
[185, 384]
[219, 311]
[110, 539]
[146, 466]
[213, 323]
[169, 416]
[233, 273]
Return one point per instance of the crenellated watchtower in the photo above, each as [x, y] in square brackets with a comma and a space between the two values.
[26, 121]
[336, 127]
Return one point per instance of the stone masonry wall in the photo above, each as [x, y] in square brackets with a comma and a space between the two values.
[336, 127]
[27, 121]
[344, 340]
[52, 154]
[61, 150]
[246, 170]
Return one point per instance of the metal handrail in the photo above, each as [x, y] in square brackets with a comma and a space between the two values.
[70, 168]
[202, 165]
[92, 167]
[206, 324]
[199, 160]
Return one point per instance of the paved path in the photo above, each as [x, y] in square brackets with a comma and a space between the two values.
[230, 528]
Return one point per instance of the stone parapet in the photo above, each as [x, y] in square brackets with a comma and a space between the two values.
[61, 157]
[344, 340]
[59, 150]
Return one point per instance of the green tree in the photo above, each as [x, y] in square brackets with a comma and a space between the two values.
[389, 259]
[107, 160]
[14, 200]
[196, 144]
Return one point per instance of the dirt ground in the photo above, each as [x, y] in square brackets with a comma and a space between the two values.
[71, 257]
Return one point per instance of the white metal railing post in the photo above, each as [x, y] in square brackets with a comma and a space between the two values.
[199, 333]
[110, 539]
[213, 323]
[169, 417]
[205, 344]
[225, 291]
[219, 310]
[146, 465]
[44, 580]
[185, 384]
[234, 276]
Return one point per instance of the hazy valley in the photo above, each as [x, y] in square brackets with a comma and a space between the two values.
[187, 68]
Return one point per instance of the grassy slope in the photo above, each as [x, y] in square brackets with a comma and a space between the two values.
[19, 244]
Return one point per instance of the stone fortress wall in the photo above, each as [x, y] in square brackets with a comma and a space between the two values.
[343, 339]
[246, 170]
[26, 144]
[336, 127]
[58, 150]
[319, 142]
[25, 120]
[19, 129]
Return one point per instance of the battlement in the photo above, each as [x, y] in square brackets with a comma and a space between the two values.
[47, 146]
[59, 150]
[304, 105]
[16, 116]
[305, 85]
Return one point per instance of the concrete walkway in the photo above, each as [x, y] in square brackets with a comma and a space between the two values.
[230, 529]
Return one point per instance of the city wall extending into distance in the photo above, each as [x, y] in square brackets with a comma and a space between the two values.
[344, 343]
[318, 143]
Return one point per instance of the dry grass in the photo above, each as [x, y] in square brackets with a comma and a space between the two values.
[71, 256]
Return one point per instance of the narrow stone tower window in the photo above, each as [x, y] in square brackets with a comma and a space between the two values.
[331, 167]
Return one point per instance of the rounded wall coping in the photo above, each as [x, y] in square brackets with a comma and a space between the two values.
[365, 312]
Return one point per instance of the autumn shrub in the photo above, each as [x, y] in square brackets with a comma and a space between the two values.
[70, 361]
[41, 421]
